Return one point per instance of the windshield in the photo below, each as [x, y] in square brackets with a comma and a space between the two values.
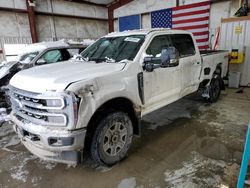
[28, 57]
[114, 48]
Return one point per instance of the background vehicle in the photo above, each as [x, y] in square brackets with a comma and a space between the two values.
[96, 103]
[35, 55]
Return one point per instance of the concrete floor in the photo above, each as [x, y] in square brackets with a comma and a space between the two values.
[187, 144]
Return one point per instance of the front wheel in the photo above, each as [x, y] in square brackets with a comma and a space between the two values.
[214, 90]
[112, 138]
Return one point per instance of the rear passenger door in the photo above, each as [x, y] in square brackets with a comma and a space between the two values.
[189, 62]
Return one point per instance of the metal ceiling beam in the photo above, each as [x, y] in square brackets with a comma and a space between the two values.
[69, 16]
[111, 7]
[15, 10]
[88, 3]
[118, 4]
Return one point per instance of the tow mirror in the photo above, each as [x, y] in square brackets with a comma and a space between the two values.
[169, 57]
[41, 61]
[149, 65]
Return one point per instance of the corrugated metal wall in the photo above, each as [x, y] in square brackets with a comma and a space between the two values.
[233, 39]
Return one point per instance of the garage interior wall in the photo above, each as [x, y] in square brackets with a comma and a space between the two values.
[77, 21]
[219, 9]
[75, 28]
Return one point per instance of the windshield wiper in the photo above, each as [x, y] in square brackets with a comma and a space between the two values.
[102, 59]
[97, 60]
[79, 57]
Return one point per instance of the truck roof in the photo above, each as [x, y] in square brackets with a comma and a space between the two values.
[146, 31]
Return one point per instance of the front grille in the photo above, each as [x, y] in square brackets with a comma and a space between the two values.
[44, 109]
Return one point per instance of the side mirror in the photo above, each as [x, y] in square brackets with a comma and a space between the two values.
[41, 61]
[149, 65]
[169, 57]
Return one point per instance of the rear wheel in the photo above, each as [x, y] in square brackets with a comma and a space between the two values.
[112, 138]
[214, 90]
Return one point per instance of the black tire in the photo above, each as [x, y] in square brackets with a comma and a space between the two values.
[112, 139]
[214, 90]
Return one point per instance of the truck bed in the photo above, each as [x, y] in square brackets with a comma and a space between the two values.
[212, 58]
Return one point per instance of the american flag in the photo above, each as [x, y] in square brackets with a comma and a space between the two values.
[193, 18]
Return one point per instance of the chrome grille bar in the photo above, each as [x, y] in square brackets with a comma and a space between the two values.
[32, 107]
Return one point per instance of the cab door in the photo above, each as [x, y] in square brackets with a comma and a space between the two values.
[163, 85]
[190, 62]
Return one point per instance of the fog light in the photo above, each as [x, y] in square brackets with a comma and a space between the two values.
[60, 141]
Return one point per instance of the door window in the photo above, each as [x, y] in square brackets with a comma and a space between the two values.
[157, 44]
[184, 44]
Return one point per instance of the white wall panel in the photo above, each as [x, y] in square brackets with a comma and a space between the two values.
[70, 8]
[141, 6]
[223, 36]
[70, 28]
[14, 25]
[146, 21]
[247, 37]
[218, 11]
[19, 4]
[116, 25]
[187, 2]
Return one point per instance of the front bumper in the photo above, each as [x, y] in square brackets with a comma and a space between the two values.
[50, 143]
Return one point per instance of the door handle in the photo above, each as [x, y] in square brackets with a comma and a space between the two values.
[196, 63]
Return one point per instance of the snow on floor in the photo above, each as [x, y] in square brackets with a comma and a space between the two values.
[8, 137]
[199, 172]
[47, 165]
[20, 172]
[128, 183]
[103, 169]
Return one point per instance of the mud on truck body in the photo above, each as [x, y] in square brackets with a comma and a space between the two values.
[96, 103]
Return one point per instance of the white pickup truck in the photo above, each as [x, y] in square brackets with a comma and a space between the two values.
[96, 102]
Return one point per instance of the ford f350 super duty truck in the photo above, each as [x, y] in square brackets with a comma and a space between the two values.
[95, 103]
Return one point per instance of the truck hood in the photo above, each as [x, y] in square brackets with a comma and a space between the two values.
[59, 75]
